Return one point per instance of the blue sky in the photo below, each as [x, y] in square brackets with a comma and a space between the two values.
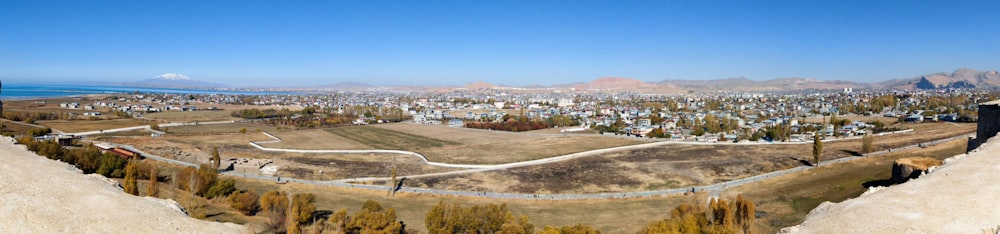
[300, 43]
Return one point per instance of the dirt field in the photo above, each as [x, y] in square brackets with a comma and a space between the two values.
[672, 166]
[191, 116]
[16, 128]
[203, 129]
[314, 139]
[341, 166]
[70, 126]
[450, 145]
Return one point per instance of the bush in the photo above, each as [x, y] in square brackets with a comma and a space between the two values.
[112, 166]
[490, 218]
[247, 202]
[304, 205]
[221, 188]
[274, 207]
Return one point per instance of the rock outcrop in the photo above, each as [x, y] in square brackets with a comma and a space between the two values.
[910, 168]
[38, 195]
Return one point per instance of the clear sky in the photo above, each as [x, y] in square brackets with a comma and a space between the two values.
[298, 43]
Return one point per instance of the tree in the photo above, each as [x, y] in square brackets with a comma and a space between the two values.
[221, 188]
[745, 214]
[274, 205]
[867, 143]
[718, 218]
[393, 182]
[216, 160]
[204, 179]
[722, 213]
[371, 219]
[131, 174]
[154, 187]
[489, 218]
[303, 207]
[247, 202]
[817, 148]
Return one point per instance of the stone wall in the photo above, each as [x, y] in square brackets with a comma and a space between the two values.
[988, 124]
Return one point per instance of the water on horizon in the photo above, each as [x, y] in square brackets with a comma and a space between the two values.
[26, 91]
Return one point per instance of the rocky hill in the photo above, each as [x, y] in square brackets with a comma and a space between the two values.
[626, 84]
[961, 78]
[744, 84]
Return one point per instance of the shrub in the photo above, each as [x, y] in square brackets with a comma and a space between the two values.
[247, 202]
[221, 188]
[273, 206]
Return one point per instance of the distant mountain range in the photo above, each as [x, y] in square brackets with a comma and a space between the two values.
[961, 78]
[173, 80]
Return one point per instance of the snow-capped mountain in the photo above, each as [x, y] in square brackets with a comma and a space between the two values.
[173, 80]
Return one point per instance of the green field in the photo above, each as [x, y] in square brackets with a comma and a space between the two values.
[381, 138]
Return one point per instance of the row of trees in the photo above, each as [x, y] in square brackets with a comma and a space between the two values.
[489, 218]
[88, 159]
[512, 126]
[720, 216]
[259, 114]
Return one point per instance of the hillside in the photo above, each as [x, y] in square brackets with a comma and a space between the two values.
[625, 84]
[744, 84]
[44, 196]
[955, 198]
[961, 78]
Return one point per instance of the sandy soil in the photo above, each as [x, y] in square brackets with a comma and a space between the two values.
[44, 196]
[955, 198]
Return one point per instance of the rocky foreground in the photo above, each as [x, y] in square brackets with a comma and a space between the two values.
[958, 197]
[38, 195]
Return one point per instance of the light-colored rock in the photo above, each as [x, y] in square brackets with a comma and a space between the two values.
[38, 195]
[910, 168]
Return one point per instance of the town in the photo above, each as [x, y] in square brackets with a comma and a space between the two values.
[702, 117]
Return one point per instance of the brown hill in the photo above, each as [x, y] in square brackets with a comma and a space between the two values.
[626, 84]
[744, 84]
[479, 85]
[961, 78]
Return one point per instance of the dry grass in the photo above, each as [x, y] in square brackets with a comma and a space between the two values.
[191, 116]
[228, 128]
[315, 139]
[610, 216]
[91, 125]
[16, 128]
[671, 166]
[451, 145]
